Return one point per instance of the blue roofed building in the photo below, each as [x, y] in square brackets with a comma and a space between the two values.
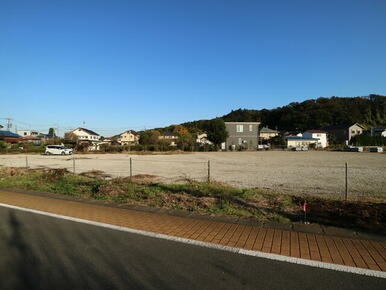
[9, 136]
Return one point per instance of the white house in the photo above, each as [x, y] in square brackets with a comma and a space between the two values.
[27, 133]
[317, 134]
[202, 139]
[84, 134]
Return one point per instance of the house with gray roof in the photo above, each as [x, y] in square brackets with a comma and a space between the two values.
[343, 133]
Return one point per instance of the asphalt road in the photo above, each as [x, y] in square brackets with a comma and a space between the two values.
[39, 252]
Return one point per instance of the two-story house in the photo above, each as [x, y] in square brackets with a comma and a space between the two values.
[320, 135]
[128, 137]
[83, 134]
[241, 135]
[169, 138]
[266, 133]
[343, 133]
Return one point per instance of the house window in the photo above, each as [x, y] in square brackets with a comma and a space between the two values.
[239, 128]
[318, 135]
[352, 131]
[250, 128]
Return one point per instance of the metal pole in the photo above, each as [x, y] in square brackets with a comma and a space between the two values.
[208, 171]
[73, 163]
[131, 168]
[26, 162]
[346, 183]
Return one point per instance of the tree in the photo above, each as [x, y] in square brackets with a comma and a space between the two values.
[150, 137]
[216, 131]
[51, 132]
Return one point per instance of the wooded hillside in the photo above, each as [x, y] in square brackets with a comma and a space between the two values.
[312, 114]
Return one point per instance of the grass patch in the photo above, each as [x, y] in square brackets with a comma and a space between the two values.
[204, 198]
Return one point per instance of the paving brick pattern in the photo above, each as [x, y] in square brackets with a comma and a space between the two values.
[351, 252]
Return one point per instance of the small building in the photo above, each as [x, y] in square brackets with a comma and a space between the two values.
[343, 133]
[9, 137]
[266, 133]
[202, 139]
[295, 141]
[241, 135]
[129, 137]
[378, 132]
[169, 137]
[83, 134]
[317, 134]
[28, 133]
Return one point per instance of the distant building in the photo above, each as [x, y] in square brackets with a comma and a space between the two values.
[128, 138]
[202, 139]
[378, 132]
[9, 137]
[83, 134]
[169, 137]
[266, 133]
[296, 141]
[343, 133]
[241, 135]
[27, 133]
[317, 134]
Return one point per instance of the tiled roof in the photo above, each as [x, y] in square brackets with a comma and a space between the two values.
[8, 134]
[299, 138]
[267, 130]
[316, 131]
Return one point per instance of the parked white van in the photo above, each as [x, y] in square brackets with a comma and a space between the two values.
[57, 150]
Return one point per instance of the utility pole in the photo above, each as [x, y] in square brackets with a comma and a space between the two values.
[9, 123]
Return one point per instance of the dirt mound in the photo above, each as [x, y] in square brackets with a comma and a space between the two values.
[95, 173]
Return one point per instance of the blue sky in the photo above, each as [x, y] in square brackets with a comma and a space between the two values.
[118, 65]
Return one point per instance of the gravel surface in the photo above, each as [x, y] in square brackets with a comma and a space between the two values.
[313, 172]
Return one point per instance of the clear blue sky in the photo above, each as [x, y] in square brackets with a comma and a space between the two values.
[132, 64]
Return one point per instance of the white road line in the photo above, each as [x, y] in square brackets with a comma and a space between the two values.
[275, 257]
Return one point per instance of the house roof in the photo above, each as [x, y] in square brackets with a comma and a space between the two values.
[316, 131]
[343, 126]
[169, 134]
[129, 131]
[300, 138]
[267, 130]
[8, 134]
[87, 131]
[243, 123]
[379, 129]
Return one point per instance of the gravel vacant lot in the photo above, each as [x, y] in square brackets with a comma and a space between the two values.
[311, 172]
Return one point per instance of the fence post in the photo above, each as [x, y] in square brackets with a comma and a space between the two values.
[131, 168]
[73, 163]
[208, 171]
[346, 183]
[26, 162]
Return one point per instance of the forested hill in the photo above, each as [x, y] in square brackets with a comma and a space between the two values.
[313, 114]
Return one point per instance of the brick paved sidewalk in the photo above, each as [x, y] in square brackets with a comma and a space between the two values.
[350, 252]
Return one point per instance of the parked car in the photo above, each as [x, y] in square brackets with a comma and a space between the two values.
[300, 148]
[353, 149]
[263, 147]
[57, 150]
[376, 149]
